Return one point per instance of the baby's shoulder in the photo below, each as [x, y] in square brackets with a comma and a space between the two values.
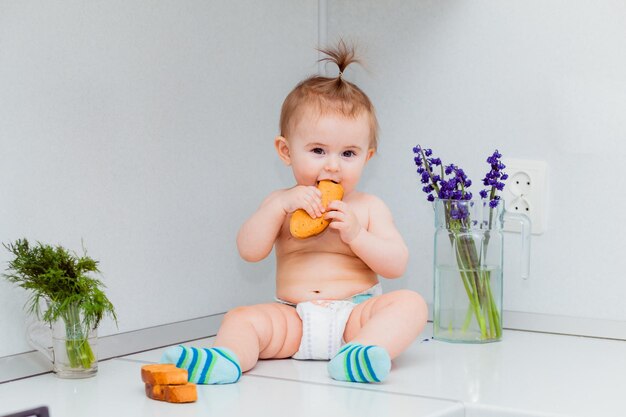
[377, 213]
[369, 201]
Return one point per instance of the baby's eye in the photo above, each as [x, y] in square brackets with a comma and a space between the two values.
[318, 151]
[348, 154]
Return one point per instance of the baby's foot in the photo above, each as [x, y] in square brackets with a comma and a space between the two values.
[205, 366]
[358, 363]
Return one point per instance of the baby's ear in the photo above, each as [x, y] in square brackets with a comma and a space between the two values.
[282, 147]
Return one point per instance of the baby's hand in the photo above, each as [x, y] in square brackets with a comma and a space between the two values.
[343, 219]
[308, 198]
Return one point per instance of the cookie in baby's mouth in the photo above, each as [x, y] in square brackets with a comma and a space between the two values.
[302, 225]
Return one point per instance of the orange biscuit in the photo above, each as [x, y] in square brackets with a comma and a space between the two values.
[186, 393]
[163, 374]
[302, 225]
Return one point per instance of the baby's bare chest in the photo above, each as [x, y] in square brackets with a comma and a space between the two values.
[329, 241]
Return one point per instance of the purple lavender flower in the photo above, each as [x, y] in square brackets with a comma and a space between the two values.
[425, 166]
[495, 179]
[494, 203]
[452, 184]
[455, 187]
[459, 211]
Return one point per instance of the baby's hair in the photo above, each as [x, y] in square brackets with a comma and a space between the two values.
[330, 94]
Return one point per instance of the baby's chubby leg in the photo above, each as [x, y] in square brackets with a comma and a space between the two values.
[377, 331]
[246, 334]
[265, 331]
[392, 321]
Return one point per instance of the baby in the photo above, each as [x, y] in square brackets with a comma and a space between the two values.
[329, 302]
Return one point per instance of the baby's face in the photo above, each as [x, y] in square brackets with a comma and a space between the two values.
[330, 146]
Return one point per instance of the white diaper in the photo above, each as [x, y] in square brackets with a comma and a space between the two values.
[323, 324]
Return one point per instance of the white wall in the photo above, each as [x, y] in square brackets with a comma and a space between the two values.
[146, 130]
[538, 80]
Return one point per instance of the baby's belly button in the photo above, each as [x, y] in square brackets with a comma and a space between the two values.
[322, 293]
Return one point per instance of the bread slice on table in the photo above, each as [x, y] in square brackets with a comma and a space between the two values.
[186, 393]
[163, 374]
[166, 382]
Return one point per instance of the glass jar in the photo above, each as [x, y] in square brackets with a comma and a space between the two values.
[468, 260]
[68, 343]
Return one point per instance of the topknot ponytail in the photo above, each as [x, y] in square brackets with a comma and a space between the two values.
[325, 94]
[342, 56]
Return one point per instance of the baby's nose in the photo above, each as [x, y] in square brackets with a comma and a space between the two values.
[332, 165]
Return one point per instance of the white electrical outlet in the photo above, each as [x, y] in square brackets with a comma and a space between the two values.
[525, 192]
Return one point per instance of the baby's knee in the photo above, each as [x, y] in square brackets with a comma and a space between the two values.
[414, 303]
[277, 327]
[263, 318]
[244, 314]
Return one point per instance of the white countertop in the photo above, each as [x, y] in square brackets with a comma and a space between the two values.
[526, 374]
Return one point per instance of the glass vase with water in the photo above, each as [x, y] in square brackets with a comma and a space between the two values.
[69, 343]
[468, 260]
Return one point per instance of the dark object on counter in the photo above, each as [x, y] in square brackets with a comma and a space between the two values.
[34, 412]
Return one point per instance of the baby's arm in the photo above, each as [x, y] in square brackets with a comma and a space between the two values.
[258, 234]
[378, 244]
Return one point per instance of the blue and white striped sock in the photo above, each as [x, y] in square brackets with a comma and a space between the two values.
[358, 363]
[205, 366]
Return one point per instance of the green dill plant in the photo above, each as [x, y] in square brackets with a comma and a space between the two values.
[63, 280]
